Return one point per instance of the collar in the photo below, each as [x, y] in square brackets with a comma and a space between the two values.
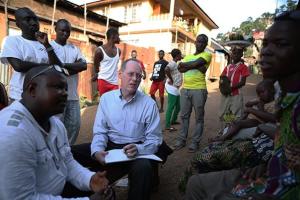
[29, 116]
[60, 44]
[237, 64]
[133, 98]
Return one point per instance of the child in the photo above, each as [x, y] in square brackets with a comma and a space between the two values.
[172, 86]
[260, 110]
[237, 72]
[248, 152]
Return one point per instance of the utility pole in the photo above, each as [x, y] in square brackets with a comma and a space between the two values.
[84, 29]
[53, 14]
[107, 19]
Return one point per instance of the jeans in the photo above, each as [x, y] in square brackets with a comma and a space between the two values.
[192, 98]
[71, 120]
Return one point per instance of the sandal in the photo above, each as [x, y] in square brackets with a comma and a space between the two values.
[171, 129]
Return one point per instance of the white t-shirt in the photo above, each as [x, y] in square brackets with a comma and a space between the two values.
[109, 68]
[172, 89]
[69, 53]
[25, 50]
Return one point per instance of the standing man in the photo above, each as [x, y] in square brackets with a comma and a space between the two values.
[74, 62]
[173, 84]
[134, 56]
[194, 92]
[106, 63]
[158, 79]
[128, 119]
[23, 52]
[236, 72]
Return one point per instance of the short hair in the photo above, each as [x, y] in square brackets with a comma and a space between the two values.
[62, 21]
[265, 84]
[161, 51]
[111, 32]
[175, 52]
[124, 64]
[204, 36]
[31, 73]
[19, 11]
[37, 72]
[133, 51]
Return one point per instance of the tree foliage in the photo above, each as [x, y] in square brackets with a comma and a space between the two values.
[261, 23]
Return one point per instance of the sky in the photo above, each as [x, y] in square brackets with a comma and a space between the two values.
[229, 13]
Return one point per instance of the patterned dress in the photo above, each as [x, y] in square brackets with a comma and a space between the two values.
[283, 180]
[284, 173]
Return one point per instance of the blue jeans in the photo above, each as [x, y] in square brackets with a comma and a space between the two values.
[71, 120]
[190, 99]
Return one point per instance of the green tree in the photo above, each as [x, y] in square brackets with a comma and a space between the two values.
[287, 6]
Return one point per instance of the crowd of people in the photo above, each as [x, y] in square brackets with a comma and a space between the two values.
[256, 155]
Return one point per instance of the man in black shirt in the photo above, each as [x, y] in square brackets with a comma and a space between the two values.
[158, 79]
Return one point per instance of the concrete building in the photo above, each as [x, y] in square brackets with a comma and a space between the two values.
[162, 24]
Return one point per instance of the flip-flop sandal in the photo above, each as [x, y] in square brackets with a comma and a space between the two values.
[172, 129]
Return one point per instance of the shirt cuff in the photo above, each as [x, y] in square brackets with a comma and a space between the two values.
[140, 149]
[86, 180]
[94, 150]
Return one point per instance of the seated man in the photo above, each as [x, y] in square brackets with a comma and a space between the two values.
[34, 150]
[129, 120]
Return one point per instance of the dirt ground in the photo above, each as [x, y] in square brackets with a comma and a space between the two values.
[173, 169]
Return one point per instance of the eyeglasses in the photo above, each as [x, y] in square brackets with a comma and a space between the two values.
[288, 15]
[137, 75]
[56, 67]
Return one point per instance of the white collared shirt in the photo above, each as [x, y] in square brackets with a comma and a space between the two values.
[123, 122]
[34, 165]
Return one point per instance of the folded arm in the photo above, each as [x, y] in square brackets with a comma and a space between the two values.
[197, 64]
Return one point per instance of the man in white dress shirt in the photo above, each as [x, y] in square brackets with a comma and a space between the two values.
[126, 119]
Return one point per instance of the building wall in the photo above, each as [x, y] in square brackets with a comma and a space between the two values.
[46, 10]
[217, 65]
[3, 27]
[117, 10]
[158, 40]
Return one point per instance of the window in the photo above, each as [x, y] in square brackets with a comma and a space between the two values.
[46, 30]
[132, 12]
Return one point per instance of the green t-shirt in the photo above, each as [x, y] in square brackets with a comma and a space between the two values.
[194, 79]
